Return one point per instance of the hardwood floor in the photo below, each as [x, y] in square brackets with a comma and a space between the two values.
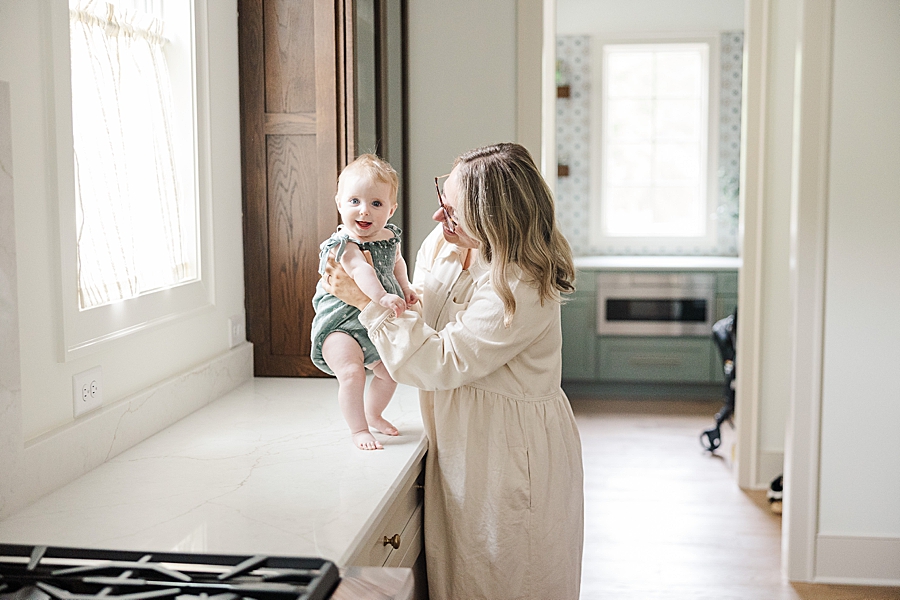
[664, 520]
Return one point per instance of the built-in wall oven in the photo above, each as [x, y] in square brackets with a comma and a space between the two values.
[655, 304]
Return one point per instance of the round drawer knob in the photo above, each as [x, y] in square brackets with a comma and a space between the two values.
[394, 540]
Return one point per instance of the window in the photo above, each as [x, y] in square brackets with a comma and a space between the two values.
[136, 229]
[652, 144]
[134, 204]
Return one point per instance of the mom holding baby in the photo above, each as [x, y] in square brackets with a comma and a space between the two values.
[503, 473]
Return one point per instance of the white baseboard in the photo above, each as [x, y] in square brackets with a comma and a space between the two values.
[60, 456]
[857, 560]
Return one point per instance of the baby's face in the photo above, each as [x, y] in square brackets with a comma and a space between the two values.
[365, 205]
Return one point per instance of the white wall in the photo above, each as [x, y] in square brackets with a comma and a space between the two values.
[842, 476]
[462, 91]
[141, 360]
[774, 360]
[860, 456]
[582, 17]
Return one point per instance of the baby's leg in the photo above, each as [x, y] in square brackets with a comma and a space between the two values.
[344, 356]
[381, 390]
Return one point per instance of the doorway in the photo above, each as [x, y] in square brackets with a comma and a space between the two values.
[770, 34]
[580, 25]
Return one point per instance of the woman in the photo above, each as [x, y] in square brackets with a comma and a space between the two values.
[503, 474]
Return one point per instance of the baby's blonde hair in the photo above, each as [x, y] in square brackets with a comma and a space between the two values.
[376, 169]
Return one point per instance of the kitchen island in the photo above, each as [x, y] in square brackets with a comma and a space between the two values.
[269, 468]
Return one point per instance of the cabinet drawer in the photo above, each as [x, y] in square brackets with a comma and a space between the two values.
[410, 543]
[398, 520]
[670, 359]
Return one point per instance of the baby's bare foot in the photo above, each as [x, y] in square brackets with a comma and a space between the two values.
[366, 441]
[381, 425]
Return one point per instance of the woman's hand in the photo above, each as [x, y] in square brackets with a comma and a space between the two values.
[338, 283]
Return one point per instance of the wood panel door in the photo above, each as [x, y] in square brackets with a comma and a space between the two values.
[294, 142]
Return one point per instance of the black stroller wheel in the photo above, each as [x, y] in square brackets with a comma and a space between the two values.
[724, 334]
[711, 439]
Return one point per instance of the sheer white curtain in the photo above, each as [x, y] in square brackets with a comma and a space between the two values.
[130, 228]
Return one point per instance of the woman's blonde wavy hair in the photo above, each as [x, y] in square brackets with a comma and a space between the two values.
[508, 208]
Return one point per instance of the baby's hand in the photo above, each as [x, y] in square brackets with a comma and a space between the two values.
[393, 302]
[410, 296]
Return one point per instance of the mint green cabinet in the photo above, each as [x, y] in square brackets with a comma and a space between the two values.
[579, 331]
[726, 294]
[588, 357]
[656, 359]
[726, 301]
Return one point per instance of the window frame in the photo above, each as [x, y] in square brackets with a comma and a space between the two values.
[91, 330]
[664, 245]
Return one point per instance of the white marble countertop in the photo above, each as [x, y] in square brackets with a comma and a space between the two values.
[657, 263]
[269, 468]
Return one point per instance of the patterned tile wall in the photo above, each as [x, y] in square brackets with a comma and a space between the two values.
[573, 149]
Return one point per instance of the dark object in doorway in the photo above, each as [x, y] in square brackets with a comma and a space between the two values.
[724, 332]
[775, 493]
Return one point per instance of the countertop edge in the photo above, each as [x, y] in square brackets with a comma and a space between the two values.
[384, 505]
[657, 263]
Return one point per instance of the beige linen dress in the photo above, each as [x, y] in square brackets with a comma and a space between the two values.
[504, 499]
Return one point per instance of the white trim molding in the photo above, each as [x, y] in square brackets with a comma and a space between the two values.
[548, 96]
[750, 240]
[858, 560]
[10, 361]
[809, 207]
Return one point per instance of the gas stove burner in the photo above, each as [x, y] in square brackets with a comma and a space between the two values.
[56, 573]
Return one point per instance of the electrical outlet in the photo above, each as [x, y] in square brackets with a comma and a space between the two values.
[87, 391]
[236, 331]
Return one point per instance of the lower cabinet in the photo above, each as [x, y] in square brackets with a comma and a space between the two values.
[395, 539]
[578, 331]
[673, 359]
[589, 357]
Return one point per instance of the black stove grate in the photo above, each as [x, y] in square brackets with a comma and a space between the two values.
[58, 573]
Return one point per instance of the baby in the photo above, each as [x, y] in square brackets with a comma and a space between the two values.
[366, 198]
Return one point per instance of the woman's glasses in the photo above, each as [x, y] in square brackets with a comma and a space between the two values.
[448, 220]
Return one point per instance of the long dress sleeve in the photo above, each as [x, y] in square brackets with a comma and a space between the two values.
[474, 345]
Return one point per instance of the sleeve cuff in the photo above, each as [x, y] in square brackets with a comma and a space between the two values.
[373, 315]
